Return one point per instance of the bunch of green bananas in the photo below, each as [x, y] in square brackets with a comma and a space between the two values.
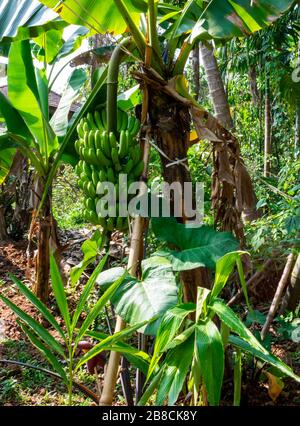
[103, 158]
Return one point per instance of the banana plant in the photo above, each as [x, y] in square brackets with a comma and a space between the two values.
[159, 31]
[193, 350]
[45, 141]
[70, 334]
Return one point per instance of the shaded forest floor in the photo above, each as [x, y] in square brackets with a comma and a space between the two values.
[20, 386]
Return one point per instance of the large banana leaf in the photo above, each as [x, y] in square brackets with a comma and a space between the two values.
[223, 19]
[24, 19]
[138, 300]
[97, 16]
[208, 19]
[201, 246]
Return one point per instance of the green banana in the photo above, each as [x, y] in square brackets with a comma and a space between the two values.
[136, 128]
[77, 145]
[102, 176]
[91, 189]
[115, 159]
[138, 170]
[111, 175]
[123, 146]
[98, 139]
[105, 145]
[112, 140]
[91, 139]
[98, 120]
[131, 123]
[91, 122]
[102, 160]
[128, 166]
[95, 178]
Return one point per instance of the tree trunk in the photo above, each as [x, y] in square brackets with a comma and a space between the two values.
[222, 111]
[253, 85]
[3, 230]
[196, 71]
[41, 285]
[171, 131]
[22, 215]
[40, 231]
[268, 130]
[216, 86]
[292, 296]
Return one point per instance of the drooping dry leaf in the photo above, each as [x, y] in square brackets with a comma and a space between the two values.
[275, 386]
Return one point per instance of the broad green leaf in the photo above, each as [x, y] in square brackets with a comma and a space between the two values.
[87, 290]
[202, 295]
[136, 357]
[35, 326]
[43, 91]
[209, 352]
[137, 300]
[108, 342]
[94, 312]
[169, 327]
[180, 338]
[106, 278]
[224, 19]
[59, 120]
[50, 44]
[98, 17]
[59, 292]
[38, 304]
[224, 268]
[264, 356]
[199, 246]
[235, 18]
[72, 43]
[151, 388]
[7, 155]
[130, 99]
[24, 95]
[235, 324]
[46, 352]
[13, 120]
[176, 367]
[90, 249]
[24, 19]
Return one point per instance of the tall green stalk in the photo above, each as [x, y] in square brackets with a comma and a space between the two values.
[237, 377]
[112, 85]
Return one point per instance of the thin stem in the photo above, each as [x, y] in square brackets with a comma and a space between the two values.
[183, 57]
[136, 33]
[237, 378]
[112, 86]
[70, 387]
[153, 36]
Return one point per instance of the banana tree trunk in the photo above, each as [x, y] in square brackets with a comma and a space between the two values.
[40, 231]
[41, 285]
[216, 86]
[171, 131]
[292, 297]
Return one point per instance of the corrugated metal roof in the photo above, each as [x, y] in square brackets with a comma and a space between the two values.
[25, 18]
